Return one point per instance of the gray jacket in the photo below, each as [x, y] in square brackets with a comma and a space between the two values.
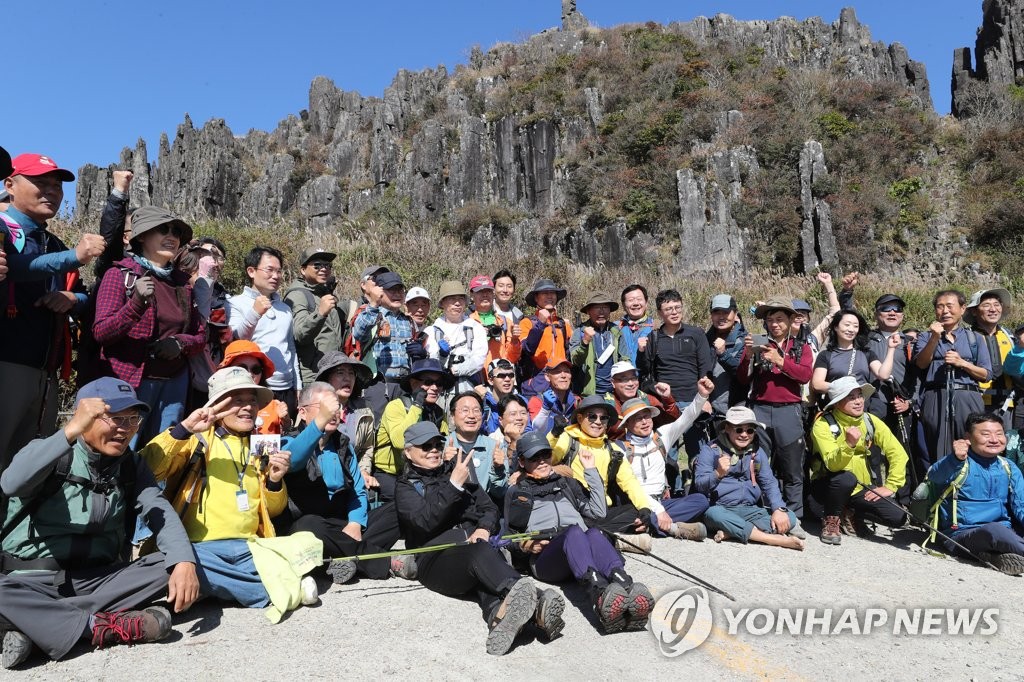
[83, 512]
[561, 511]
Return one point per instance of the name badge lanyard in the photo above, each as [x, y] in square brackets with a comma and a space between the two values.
[241, 496]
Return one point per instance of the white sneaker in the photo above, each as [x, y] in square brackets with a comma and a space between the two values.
[308, 588]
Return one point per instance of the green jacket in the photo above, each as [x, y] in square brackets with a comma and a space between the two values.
[314, 334]
[582, 355]
[79, 527]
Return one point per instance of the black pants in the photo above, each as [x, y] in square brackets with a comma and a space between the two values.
[477, 569]
[620, 519]
[386, 481]
[834, 491]
[381, 534]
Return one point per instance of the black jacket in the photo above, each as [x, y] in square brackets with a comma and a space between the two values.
[428, 505]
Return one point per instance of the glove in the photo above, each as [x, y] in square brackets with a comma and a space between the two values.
[165, 349]
[144, 288]
[415, 350]
[444, 346]
[419, 397]
[550, 400]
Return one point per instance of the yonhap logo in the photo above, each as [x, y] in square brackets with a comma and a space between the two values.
[681, 621]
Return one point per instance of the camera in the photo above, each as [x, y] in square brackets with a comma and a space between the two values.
[494, 331]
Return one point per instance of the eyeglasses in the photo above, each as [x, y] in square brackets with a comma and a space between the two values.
[435, 445]
[744, 430]
[669, 309]
[271, 272]
[317, 265]
[469, 411]
[508, 375]
[891, 309]
[643, 416]
[430, 381]
[126, 421]
[253, 369]
[597, 418]
[169, 228]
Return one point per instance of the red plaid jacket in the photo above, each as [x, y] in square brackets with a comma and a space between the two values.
[124, 327]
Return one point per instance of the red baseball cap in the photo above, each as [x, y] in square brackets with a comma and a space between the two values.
[37, 164]
[480, 283]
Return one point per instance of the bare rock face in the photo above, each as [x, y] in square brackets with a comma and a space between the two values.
[998, 56]
[818, 243]
[572, 19]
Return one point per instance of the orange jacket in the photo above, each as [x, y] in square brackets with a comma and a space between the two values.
[545, 342]
[505, 346]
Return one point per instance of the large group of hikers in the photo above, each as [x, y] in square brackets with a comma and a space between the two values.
[217, 435]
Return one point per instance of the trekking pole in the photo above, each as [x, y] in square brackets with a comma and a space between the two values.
[933, 529]
[498, 541]
[689, 576]
[950, 406]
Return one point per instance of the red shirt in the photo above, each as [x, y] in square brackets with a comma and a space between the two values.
[777, 385]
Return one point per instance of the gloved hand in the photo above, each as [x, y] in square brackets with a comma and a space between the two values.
[144, 288]
[444, 346]
[165, 349]
[419, 397]
[415, 350]
[550, 400]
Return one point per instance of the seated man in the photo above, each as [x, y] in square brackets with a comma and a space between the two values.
[630, 508]
[326, 491]
[489, 469]
[72, 500]
[626, 386]
[551, 408]
[222, 492]
[436, 505]
[513, 422]
[734, 473]
[988, 502]
[501, 381]
[649, 452]
[545, 500]
[424, 387]
[851, 444]
[349, 377]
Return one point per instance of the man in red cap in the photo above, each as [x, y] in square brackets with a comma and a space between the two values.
[502, 336]
[39, 293]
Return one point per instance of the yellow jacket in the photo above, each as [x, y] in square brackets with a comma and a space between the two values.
[210, 502]
[837, 455]
[391, 435]
[625, 478]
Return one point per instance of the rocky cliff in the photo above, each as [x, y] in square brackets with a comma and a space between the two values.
[530, 128]
[998, 60]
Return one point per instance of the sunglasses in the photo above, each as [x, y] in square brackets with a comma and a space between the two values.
[597, 418]
[169, 228]
[508, 375]
[127, 421]
[317, 265]
[744, 430]
[891, 309]
[436, 445]
[430, 381]
[253, 369]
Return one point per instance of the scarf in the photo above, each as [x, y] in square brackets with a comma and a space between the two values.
[162, 273]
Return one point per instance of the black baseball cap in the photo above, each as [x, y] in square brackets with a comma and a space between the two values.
[886, 299]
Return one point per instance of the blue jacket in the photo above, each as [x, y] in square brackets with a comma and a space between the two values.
[986, 493]
[748, 479]
[308, 496]
[632, 333]
[1013, 365]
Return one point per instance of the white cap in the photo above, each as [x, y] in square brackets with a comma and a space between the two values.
[622, 366]
[416, 292]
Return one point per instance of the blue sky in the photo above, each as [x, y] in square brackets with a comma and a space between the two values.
[106, 73]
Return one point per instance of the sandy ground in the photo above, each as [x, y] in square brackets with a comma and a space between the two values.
[397, 628]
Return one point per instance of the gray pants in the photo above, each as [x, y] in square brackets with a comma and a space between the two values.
[785, 427]
[939, 431]
[56, 617]
[23, 404]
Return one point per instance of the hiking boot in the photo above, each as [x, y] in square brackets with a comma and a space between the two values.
[641, 602]
[1010, 564]
[404, 566]
[341, 570]
[128, 627]
[625, 543]
[16, 648]
[689, 531]
[847, 524]
[831, 533]
[612, 605]
[797, 531]
[548, 616]
[307, 587]
[515, 611]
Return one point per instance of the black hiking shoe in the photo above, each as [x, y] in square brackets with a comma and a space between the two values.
[641, 602]
[515, 611]
[341, 570]
[16, 648]
[548, 616]
[1010, 564]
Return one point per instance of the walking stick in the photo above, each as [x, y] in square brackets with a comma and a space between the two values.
[497, 541]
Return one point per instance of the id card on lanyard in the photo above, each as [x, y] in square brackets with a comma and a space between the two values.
[241, 495]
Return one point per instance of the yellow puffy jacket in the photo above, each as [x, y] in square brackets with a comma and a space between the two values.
[625, 478]
[837, 455]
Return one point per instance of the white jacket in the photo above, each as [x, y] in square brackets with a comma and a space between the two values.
[467, 339]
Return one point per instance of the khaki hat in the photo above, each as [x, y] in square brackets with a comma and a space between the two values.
[451, 288]
[1005, 299]
[844, 386]
[739, 415]
[784, 304]
[312, 252]
[599, 298]
[231, 379]
[151, 217]
[635, 406]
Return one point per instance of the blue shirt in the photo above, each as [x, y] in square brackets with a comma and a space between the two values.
[971, 347]
[394, 330]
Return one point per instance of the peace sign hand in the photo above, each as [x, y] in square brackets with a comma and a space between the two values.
[205, 417]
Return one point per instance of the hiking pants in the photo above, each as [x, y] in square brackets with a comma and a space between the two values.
[740, 520]
[20, 420]
[338, 544]
[55, 617]
[939, 432]
[785, 425]
[620, 519]
[991, 537]
[572, 553]
[834, 491]
[686, 509]
[227, 571]
[477, 569]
